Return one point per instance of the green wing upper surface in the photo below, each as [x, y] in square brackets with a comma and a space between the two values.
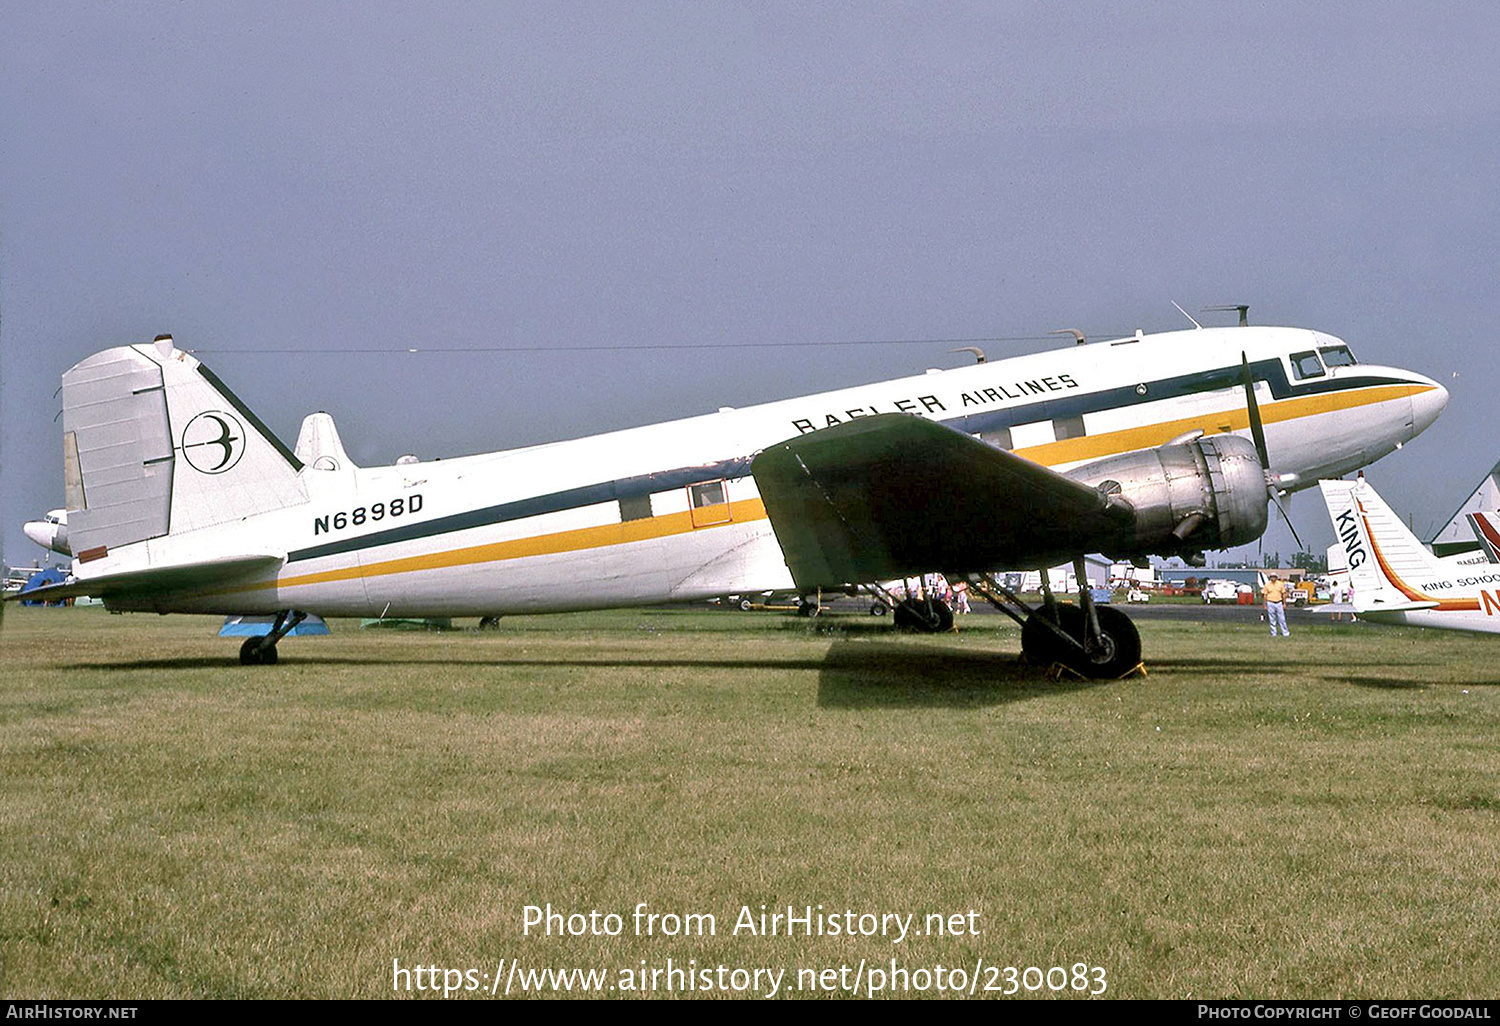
[895, 495]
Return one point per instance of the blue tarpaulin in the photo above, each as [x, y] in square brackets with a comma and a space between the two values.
[260, 626]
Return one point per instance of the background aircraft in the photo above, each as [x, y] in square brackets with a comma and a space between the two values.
[1396, 580]
[180, 499]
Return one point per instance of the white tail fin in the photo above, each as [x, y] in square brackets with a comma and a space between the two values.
[154, 443]
[1486, 527]
[1383, 555]
[318, 444]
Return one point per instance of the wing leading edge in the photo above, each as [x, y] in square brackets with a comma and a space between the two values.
[895, 495]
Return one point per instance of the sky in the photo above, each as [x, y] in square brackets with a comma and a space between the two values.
[709, 203]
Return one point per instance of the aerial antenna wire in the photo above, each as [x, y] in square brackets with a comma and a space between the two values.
[1187, 315]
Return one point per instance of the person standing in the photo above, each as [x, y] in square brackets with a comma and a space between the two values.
[1273, 592]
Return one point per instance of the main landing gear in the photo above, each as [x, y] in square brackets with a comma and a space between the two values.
[261, 651]
[926, 615]
[1093, 641]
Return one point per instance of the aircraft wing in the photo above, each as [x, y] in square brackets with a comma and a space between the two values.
[894, 495]
[157, 580]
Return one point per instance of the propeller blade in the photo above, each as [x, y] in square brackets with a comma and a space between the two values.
[1287, 517]
[1257, 429]
[1258, 433]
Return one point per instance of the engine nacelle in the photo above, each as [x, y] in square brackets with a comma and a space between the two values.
[1207, 493]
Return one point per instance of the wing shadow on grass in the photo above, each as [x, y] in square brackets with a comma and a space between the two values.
[868, 675]
[1291, 664]
[1392, 684]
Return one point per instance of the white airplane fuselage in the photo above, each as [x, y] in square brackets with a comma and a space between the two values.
[670, 511]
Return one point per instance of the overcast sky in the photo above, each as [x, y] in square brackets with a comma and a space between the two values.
[330, 177]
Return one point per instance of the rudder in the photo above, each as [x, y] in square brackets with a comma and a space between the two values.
[154, 443]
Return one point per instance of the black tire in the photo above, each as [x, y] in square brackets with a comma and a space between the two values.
[746, 605]
[808, 608]
[926, 616]
[489, 623]
[251, 654]
[878, 609]
[1120, 653]
[1040, 645]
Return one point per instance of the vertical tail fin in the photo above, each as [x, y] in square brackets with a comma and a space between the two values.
[154, 443]
[1486, 527]
[1383, 555]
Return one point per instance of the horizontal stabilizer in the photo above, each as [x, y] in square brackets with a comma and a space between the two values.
[143, 584]
[1380, 605]
[892, 495]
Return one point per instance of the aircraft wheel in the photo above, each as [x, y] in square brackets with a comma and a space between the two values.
[746, 604]
[1042, 647]
[489, 623]
[1120, 652]
[924, 616]
[252, 655]
[808, 608]
[878, 609]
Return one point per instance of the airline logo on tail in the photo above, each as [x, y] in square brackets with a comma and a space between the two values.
[213, 442]
[1347, 529]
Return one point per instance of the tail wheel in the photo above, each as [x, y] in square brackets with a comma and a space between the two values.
[251, 654]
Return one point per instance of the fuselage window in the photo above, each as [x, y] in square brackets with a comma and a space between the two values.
[999, 437]
[710, 504]
[635, 507]
[710, 493]
[1068, 427]
[1306, 365]
[1337, 356]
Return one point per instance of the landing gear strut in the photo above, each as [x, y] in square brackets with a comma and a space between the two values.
[261, 651]
[926, 615]
[1094, 641]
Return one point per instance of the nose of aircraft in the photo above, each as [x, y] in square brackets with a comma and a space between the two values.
[1426, 404]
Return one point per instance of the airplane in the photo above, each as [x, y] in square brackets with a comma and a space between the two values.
[1457, 535]
[1397, 581]
[179, 499]
[50, 532]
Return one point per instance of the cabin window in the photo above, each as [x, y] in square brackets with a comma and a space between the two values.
[999, 437]
[708, 504]
[1306, 365]
[1337, 356]
[1068, 427]
[710, 493]
[635, 507]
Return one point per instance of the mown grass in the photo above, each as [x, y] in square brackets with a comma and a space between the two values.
[1312, 817]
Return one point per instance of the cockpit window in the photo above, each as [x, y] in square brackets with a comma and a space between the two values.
[1337, 356]
[1306, 365]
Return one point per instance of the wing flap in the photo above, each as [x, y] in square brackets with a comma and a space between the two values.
[895, 495]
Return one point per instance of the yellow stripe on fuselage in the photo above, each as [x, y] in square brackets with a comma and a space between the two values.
[1109, 443]
[601, 536]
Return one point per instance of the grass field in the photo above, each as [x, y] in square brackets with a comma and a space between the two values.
[1312, 817]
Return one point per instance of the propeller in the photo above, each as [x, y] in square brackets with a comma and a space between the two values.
[1258, 434]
